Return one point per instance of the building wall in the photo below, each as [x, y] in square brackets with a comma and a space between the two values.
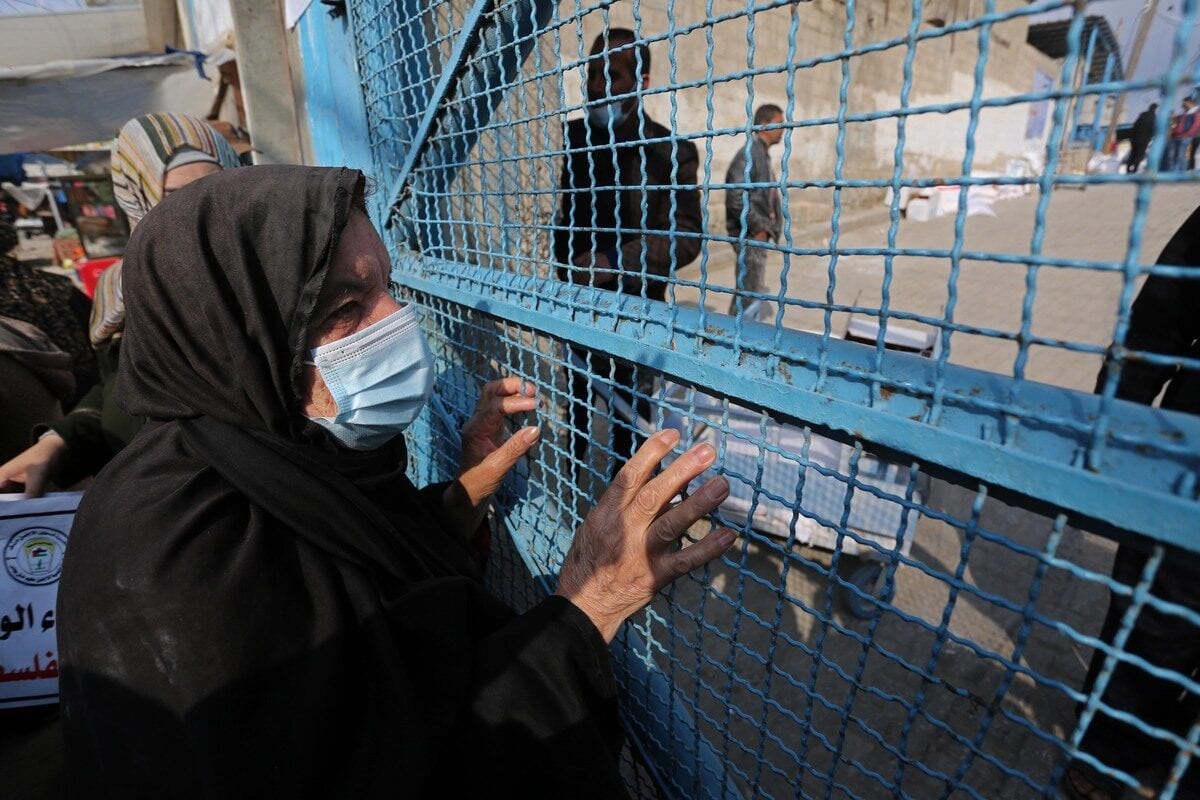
[92, 33]
[943, 72]
[784, 40]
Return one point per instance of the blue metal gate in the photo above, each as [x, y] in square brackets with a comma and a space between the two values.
[929, 496]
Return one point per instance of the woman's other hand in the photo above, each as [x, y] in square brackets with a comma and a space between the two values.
[624, 552]
[486, 455]
[33, 467]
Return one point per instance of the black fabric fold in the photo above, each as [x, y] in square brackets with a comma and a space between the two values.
[362, 535]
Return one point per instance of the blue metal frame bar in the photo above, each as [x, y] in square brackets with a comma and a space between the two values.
[337, 117]
[467, 43]
[980, 431]
[508, 47]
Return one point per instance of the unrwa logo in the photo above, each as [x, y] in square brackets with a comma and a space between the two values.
[34, 556]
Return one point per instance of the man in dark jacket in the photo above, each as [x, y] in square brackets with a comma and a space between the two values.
[629, 217]
[1140, 138]
[1165, 320]
[754, 213]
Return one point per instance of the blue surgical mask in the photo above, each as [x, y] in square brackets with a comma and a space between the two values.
[603, 113]
[380, 378]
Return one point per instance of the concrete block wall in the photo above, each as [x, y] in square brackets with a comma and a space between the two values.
[943, 72]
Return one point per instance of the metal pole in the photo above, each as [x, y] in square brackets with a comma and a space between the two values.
[1149, 11]
[1083, 78]
[1076, 100]
[1100, 101]
[58, 220]
[266, 81]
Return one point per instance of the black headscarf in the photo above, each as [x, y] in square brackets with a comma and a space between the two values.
[247, 609]
[221, 319]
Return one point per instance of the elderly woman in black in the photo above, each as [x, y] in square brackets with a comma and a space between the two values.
[257, 602]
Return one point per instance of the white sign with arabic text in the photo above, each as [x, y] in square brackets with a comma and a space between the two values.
[33, 542]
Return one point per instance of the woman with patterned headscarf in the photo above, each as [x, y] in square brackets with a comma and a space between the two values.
[154, 155]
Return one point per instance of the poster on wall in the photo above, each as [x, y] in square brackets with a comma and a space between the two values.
[33, 541]
[1039, 112]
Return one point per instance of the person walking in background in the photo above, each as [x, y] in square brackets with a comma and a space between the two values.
[1186, 127]
[753, 212]
[629, 216]
[1140, 138]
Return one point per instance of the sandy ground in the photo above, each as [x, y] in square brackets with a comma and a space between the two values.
[1070, 304]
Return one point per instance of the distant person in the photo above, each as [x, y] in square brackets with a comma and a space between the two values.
[1191, 156]
[1165, 321]
[1140, 138]
[154, 155]
[755, 213]
[1184, 130]
[629, 216]
[53, 304]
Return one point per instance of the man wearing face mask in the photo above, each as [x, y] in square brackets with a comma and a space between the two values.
[629, 215]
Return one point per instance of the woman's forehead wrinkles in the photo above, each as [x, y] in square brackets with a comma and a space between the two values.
[345, 284]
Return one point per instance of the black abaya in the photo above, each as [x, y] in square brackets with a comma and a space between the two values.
[247, 609]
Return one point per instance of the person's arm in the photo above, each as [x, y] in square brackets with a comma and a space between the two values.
[87, 449]
[759, 217]
[735, 198]
[544, 694]
[542, 717]
[96, 429]
[674, 211]
[63, 452]
[1190, 125]
[488, 454]
[1161, 322]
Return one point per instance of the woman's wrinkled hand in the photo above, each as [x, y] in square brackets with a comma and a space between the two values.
[33, 467]
[625, 551]
[487, 456]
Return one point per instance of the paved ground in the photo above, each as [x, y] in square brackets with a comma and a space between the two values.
[1071, 304]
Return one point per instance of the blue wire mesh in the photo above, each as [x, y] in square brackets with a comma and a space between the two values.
[929, 493]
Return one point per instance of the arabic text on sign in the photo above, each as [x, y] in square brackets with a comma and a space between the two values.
[34, 673]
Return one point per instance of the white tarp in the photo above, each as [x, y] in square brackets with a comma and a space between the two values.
[59, 105]
[293, 10]
[210, 24]
[82, 68]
